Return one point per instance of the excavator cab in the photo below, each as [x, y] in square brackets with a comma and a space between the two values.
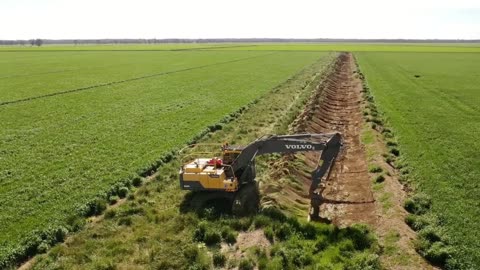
[229, 155]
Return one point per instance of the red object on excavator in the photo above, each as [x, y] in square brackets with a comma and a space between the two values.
[214, 161]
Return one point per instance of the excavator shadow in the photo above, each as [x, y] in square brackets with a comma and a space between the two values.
[320, 220]
[216, 204]
[220, 203]
[330, 201]
[207, 204]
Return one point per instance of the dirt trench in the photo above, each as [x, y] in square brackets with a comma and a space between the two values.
[349, 196]
[338, 108]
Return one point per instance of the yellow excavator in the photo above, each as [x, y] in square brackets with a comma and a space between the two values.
[232, 175]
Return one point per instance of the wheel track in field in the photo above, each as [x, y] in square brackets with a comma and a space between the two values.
[35, 74]
[129, 80]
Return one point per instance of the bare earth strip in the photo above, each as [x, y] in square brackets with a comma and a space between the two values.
[349, 190]
[349, 196]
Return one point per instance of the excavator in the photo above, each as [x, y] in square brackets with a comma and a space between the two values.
[232, 176]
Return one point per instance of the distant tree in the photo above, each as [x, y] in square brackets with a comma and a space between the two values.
[75, 42]
[32, 42]
[38, 42]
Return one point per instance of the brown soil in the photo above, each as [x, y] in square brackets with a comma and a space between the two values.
[348, 192]
[254, 238]
[337, 107]
[245, 241]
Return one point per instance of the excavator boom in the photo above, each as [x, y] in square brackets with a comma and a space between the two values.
[329, 144]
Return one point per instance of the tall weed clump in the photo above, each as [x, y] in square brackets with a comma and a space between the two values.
[295, 244]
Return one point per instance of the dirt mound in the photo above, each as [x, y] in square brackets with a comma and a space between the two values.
[245, 241]
[254, 238]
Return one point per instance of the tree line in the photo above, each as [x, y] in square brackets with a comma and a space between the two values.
[39, 42]
[32, 42]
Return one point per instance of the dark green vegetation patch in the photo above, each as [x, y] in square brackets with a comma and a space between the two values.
[294, 245]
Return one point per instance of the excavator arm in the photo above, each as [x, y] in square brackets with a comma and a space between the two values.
[329, 144]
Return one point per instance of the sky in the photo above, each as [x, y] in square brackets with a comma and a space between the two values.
[364, 19]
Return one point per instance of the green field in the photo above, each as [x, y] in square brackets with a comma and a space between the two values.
[60, 151]
[359, 47]
[121, 47]
[436, 118]
[152, 230]
[33, 74]
[80, 121]
[287, 47]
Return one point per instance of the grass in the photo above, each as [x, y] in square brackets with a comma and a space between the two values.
[82, 122]
[431, 102]
[360, 47]
[26, 75]
[120, 47]
[288, 47]
[162, 234]
[59, 153]
[391, 240]
[295, 244]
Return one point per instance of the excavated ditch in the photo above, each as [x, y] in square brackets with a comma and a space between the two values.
[348, 197]
[337, 107]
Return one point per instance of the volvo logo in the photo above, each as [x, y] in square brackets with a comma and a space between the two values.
[300, 147]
